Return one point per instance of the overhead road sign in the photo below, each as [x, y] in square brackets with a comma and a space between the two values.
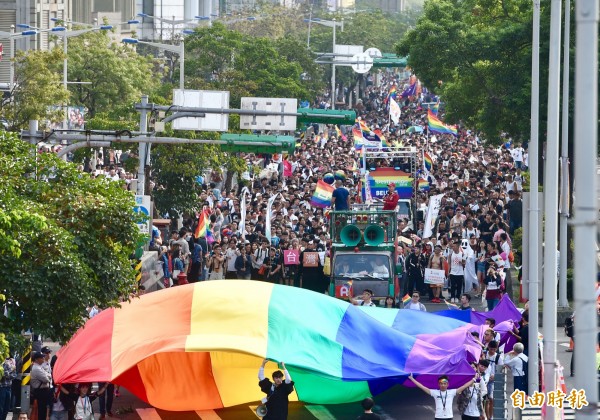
[257, 143]
[390, 60]
[326, 116]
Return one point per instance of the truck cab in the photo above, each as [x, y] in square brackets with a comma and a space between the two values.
[363, 253]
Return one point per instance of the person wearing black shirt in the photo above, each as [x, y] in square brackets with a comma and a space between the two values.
[367, 405]
[277, 392]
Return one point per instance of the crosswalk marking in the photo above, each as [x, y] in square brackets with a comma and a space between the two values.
[208, 415]
[320, 412]
[535, 413]
[148, 414]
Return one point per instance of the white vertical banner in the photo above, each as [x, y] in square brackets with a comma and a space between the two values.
[368, 195]
[433, 210]
[394, 111]
[268, 221]
[242, 225]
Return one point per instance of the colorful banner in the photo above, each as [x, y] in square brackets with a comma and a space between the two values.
[381, 177]
[322, 196]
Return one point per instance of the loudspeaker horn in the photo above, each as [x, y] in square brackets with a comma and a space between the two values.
[350, 235]
[261, 410]
[374, 235]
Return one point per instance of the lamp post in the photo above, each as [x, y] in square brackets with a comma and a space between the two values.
[178, 49]
[330, 24]
[12, 35]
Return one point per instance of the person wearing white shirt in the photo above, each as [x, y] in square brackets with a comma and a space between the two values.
[473, 395]
[443, 396]
[366, 299]
[379, 268]
[517, 361]
[414, 303]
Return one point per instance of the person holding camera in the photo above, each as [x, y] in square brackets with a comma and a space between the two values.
[493, 284]
[278, 391]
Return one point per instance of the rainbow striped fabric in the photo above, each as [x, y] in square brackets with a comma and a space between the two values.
[322, 196]
[203, 222]
[437, 126]
[405, 299]
[436, 108]
[212, 337]
[427, 162]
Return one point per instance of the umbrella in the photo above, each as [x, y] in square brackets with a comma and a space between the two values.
[415, 129]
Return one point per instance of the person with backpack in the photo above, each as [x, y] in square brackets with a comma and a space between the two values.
[470, 401]
[517, 362]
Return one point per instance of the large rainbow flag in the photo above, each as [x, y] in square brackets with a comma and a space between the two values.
[212, 336]
[437, 126]
[427, 162]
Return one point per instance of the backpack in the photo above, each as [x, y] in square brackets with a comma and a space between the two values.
[525, 365]
[569, 327]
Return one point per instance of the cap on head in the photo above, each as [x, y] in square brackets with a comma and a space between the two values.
[391, 184]
[46, 350]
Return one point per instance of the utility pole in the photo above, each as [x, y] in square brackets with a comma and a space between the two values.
[586, 203]
[534, 207]
[551, 203]
[564, 160]
[142, 148]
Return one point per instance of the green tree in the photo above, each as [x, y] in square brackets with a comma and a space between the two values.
[480, 51]
[65, 239]
[113, 73]
[245, 66]
[37, 88]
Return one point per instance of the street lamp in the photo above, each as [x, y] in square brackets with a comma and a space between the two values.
[178, 49]
[330, 24]
[11, 36]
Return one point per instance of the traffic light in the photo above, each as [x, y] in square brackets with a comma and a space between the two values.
[326, 116]
[257, 143]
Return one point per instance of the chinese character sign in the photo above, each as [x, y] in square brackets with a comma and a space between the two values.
[291, 257]
[311, 259]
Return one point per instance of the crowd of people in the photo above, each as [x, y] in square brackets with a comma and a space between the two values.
[267, 210]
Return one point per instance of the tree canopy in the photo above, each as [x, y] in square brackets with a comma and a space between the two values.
[477, 55]
[65, 240]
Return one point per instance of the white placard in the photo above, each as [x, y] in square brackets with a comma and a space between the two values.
[433, 276]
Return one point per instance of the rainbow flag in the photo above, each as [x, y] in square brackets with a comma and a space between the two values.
[358, 137]
[450, 305]
[203, 221]
[405, 299]
[322, 196]
[384, 142]
[251, 321]
[427, 162]
[423, 185]
[339, 133]
[436, 108]
[392, 94]
[437, 126]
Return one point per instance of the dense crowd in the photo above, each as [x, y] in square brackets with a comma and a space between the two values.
[481, 210]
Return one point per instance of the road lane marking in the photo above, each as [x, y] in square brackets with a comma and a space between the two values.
[320, 412]
[148, 414]
[208, 415]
